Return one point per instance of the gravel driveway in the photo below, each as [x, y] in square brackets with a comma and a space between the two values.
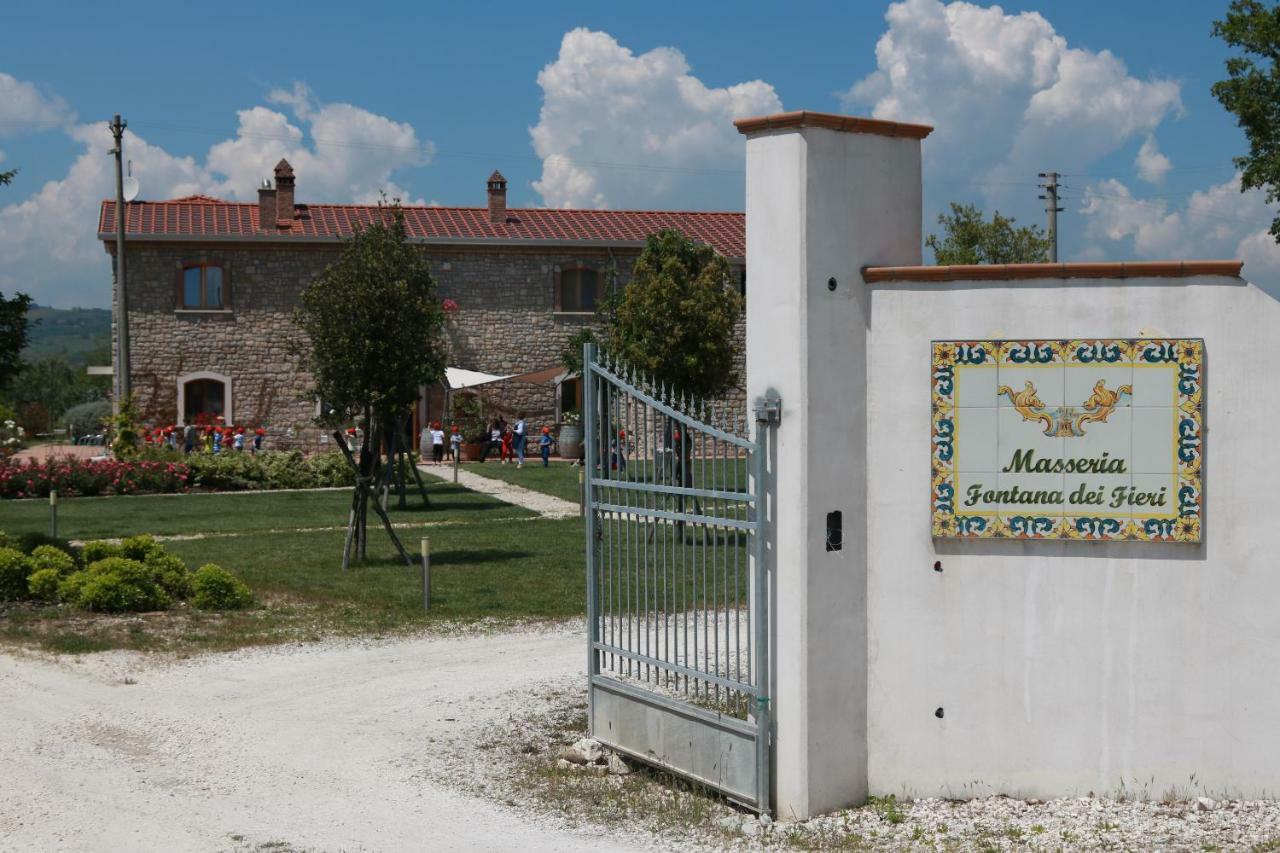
[328, 747]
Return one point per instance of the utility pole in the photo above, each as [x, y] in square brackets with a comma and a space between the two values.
[1050, 186]
[122, 304]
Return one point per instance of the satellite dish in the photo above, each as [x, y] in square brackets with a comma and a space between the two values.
[131, 187]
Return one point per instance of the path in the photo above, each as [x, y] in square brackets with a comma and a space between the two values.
[322, 747]
[548, 506]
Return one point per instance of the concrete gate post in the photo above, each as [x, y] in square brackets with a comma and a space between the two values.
[826, 196]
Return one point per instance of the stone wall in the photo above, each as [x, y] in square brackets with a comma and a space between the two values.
[506, 324]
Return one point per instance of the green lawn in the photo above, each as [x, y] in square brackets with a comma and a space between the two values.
[559, 479]
[97, 518]
[490, 561]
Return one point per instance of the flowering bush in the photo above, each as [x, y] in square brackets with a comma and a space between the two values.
[11, 436]
[88, 477]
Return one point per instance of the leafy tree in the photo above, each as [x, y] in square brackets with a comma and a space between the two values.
[374, 326]
[1252, 92]
[967, 238]
[53, 385]
[13, 335]
[7, 177]
[675, 320]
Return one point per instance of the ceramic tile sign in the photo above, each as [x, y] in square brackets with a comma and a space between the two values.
[1068, 439]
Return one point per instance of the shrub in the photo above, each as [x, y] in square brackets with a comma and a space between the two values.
[215, 588]
[43, 584]
[44, 557]
[140, 547]
[70, 586]
[170, 573]
[96, 551]
[15, 567]
[87, 418]
[119, 585]
[29, 542]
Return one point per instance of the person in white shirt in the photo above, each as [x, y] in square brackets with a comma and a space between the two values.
[437, 443]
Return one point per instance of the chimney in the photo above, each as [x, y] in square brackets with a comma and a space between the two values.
[284, 191]
[497, 197]
[266, 205]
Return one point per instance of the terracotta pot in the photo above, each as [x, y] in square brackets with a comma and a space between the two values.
[472, 452]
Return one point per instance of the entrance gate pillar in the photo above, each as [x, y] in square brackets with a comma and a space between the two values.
[826, 196]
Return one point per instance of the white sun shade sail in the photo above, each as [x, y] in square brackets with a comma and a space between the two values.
[458, 378]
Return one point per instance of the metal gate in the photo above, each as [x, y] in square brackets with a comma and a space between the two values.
[677, 594]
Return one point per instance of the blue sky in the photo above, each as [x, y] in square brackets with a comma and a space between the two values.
[617, 105]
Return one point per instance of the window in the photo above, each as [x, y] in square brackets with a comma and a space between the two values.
[578, 290]
[203, 287]
[203, 400]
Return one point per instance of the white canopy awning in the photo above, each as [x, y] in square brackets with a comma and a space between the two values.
[458, 378]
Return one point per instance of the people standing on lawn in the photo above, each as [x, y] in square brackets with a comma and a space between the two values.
[544, 445]
[521, 438]
[259, 435]
[495, 439]
[455, 443]
[506, 452]
[437, 443]
[189, 436]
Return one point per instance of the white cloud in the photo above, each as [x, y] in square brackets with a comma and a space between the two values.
[1007, 95]
[605, 109]
[23, 108]
[348, 153]
[1219, 222]
[340, 153]
[1152, 165]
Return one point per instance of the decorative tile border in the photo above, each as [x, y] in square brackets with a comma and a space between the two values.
[1097, 439]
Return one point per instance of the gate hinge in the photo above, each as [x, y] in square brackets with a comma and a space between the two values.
[768, 410]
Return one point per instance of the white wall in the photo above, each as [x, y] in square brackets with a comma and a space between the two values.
[1068, 667]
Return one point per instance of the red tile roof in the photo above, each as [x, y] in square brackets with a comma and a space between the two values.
[197, 217]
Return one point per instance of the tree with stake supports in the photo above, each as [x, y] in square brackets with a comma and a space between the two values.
[374, 324]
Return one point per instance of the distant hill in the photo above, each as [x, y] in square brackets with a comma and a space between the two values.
[73, 333]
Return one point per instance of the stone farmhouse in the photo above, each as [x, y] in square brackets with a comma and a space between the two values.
[212, 286]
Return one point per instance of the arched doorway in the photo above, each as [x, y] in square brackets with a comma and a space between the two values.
[203, 397]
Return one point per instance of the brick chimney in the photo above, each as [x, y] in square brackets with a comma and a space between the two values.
[266, 205]
[284, 191]
[497, 197]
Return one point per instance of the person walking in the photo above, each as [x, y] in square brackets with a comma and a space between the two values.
[437, 444]
[522, 435]
[544, 445]
[189, 438]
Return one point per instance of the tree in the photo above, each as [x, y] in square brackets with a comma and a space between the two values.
[676, 322]
[7, 177]
[677, 317]
[1252, 93]
[967, 238]
[13, 335]
[374, 325]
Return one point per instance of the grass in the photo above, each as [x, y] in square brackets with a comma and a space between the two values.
[558, 480]
[491, 562]
[97, 518]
